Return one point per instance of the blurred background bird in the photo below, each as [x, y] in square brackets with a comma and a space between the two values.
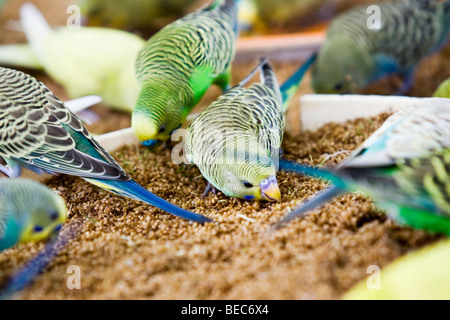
[236, 141]
[443, 91]
[136, 14]
[403, 166]
[265, 16]
[85, 61]
[178, 65]
[420, 275]
[358, 52]
[29, 212]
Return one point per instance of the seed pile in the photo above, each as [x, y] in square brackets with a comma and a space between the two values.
[129, 250]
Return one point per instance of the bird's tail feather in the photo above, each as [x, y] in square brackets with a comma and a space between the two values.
[306, 170]
[289, 88]
[310, 204]
[133, 190]
[19, 55]
[36, 29]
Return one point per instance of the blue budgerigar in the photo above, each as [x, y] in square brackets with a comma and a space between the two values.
[404, 166]
[38, 132]
[365, 45]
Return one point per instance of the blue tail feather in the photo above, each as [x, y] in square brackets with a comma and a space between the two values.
[310, 204]
[306, 170]
[290, 86]
[133, 190]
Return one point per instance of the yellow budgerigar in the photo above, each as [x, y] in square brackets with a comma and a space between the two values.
[85, 61]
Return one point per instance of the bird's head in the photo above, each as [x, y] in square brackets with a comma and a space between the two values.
[155, 117]
[258, 184]
[251, 176]
[46, 218]
[341, 68]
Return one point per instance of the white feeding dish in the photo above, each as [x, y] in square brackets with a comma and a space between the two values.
[317, 110]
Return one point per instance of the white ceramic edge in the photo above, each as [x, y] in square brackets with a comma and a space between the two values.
[317, 110]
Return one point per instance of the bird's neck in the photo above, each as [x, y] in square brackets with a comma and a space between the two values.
[158, 93]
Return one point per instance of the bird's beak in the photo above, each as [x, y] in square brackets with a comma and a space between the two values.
[271, 192]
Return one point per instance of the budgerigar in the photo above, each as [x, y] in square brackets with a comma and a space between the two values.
[179, 64]
[85, 61]
[404, 166]
[419, 275]
[236, 141]
[38, 132]
[356, 53]
[26, 274]
[443, 91]
[136, 14]
[29, 212]
[263, 15]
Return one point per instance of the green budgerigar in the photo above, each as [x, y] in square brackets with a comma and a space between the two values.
[236, 141]
[178, 65]
[443, 91]
[365, 44]
[135, 14]
[40, 133]
[29, 212]
[404, 166]
[85, 61]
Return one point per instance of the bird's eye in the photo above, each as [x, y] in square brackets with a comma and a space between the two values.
[95, 12]
[38, 229]
[265, 183]
[179, 126]
[162, 128]
[247, 184]
[339, 87]
[54, 216]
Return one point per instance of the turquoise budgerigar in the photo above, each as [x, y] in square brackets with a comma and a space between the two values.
[26, 274]
[236, 141]
[178, 65]
[365, 44]
[85, 61]
[38, 132]
[404, 166]
[29, 212]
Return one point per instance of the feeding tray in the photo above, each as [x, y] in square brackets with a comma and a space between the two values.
[337, 244]
[315, 111]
